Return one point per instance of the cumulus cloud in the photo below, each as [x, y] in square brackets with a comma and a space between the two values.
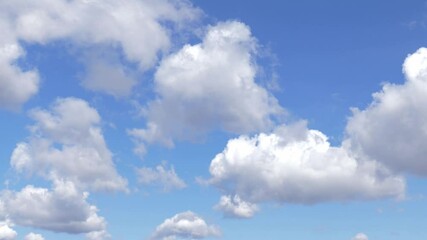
[16, 85]
[294, 164]
[393, 129]
[64, 209]
[360, 236]
[6, 232]
[186, 225]
[140, 29]
[67, 142]
[235, 207]
[98, 235]
[210, 85]
[160, 176]
[33, 236]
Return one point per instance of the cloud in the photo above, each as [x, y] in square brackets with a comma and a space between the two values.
[165, 178]
[33, 236]
[235, 207]
[139, 29]
[393, 128]
[360, 236]
[206, 86]
[294, 164]
[16, 85]
[64, 209]
[7, 233]
[108, 77]
[67, 142]
[186, 225]
[98, 235]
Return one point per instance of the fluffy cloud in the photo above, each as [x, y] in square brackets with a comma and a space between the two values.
[360, 236]
[42, 208]
[208, 86]
[138, 28]
[33, 236]
[186, 225]
[160, 176]
[297, 165]
[16, 85]
[98, 235]
[393, 129]
[236, 207]
[7, 233]
[67, 142]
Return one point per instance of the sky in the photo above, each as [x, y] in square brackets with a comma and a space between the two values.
[179, 119]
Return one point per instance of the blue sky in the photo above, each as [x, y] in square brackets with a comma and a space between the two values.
[176, 119]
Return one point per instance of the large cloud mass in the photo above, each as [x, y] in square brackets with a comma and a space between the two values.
[138, 28]
[208, 86]
[67, 142]
[297, 165]
[393, 129]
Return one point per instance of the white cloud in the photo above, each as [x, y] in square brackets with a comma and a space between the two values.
[415, 66]
[186, 225]
[140, 29]
[67, 142]
[236, 207]
[208, 86]
[64, 209]
[160, 176]
[360, 236]
[33, 236]
[393, 129]
[16, 85]
[7, 233]
[297, 165]
[98, 235]
[130, 24]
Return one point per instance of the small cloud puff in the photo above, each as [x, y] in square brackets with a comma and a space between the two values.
[235, 207]
[160, 176]
[360, 236]
[186, 225]
[33, 236]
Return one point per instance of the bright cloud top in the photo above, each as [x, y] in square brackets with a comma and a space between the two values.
[209, 86]
[186, 225]
[33, 236]
[67, 142]
[360, 236]
[137, 28]
[393, 129]
[6, 232]
[297, 165]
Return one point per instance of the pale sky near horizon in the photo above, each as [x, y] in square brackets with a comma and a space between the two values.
[179, 119]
